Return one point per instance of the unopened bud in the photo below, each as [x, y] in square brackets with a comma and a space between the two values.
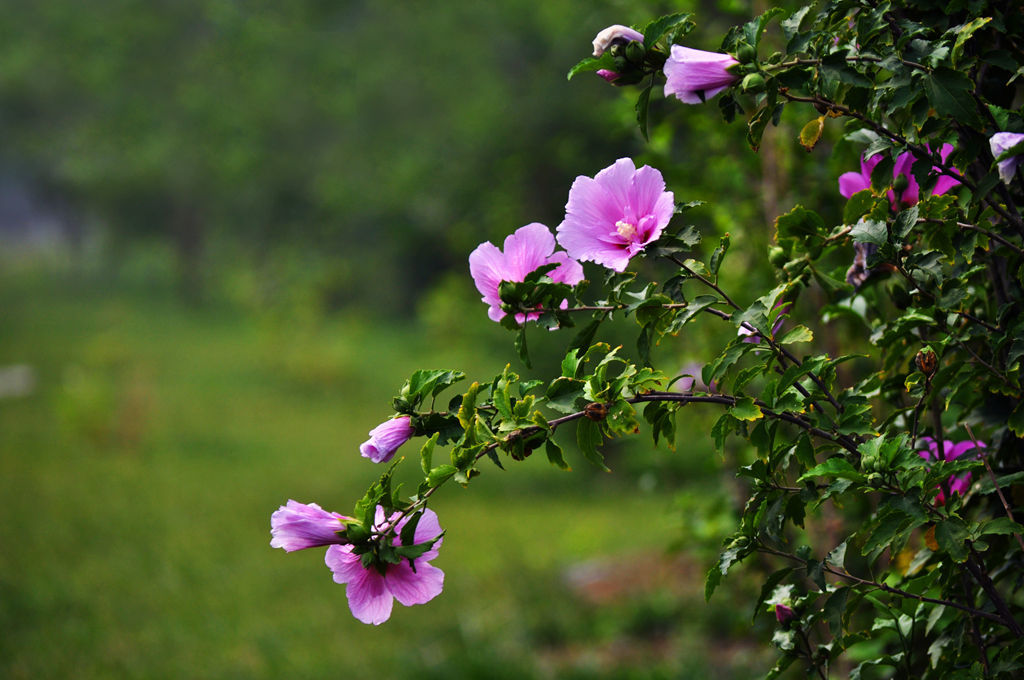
[745, 53]
[784, 614]
[926, 362]
[777, 256]
[753, 82]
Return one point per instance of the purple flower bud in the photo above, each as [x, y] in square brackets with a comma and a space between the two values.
[784, 614]
[610, 76]
[297, 526]
[615, 35]
[386, 438]
[695, 76]
[1000, 143]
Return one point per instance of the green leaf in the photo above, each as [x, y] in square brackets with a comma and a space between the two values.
[811, 132]
[520, 344]
[870, 231]
[555, 457]
[427, 453]
[949, 93]
[592, 64]
[860, 204]
[643, 104]
[440, 474]
[799, 223]
[837, 466]
[588, 438]
[662, 25]
[798, 334]
[746, 409]
[963, 34]
[951, 535]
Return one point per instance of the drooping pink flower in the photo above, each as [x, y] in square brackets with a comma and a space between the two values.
[956, 484]
[297, 526]
[386, 438]
[615, 35]
[371, 591]
[612, 216]
[695, 76]
[852, 182]
[1000, 143]
[527, 249]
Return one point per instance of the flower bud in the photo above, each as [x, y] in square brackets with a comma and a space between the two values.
[784, 614]
[745, 53]
[926, 362]
[753, 82]
[777, 256]
[635, 52]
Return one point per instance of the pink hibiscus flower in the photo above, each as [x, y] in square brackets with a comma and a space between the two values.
[956, 484]
[371, 591]
[526, 249]
[694, 76]
[297, 526]
[386, 438]
[614, 215]
[852, 182]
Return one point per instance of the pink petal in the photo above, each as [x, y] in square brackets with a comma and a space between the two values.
[343, 564]
[526, 249]
[414, 587]
[369, 598]
[852, 182]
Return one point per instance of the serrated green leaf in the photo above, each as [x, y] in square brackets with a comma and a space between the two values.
[427, 453]
[951, 535]
[440, 474]
[588, 438]
[555, 457]
[949, 93]
[834, 467]
[746, 409]
[798, 334]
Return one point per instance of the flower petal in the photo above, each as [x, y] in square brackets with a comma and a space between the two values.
[414, 587]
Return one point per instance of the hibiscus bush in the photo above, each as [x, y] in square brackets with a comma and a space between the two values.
[872, 396]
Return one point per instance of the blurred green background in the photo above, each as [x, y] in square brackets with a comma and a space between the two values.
[228, 232]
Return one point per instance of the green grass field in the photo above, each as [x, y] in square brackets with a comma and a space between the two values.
[138, 479]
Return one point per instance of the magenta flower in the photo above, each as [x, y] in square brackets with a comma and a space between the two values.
[386, 438]
[1000, 143]
[615, 35]
[527, 249]
[371, 591]
[852, 182]
[297, 526]
[695, 76]
[956, 484]
[612, 216]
